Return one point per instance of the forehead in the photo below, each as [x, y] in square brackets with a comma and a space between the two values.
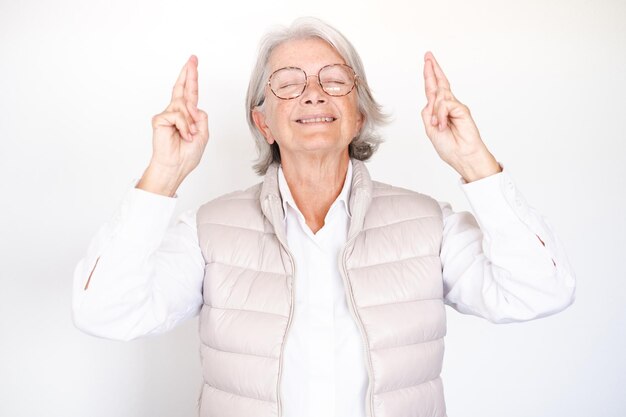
[308, 54]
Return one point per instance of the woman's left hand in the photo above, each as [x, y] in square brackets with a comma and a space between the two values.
[451, 129]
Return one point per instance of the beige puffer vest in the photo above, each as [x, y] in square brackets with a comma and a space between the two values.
[392, 274]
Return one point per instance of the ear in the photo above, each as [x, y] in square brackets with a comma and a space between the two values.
[359, 123]
[259, 121]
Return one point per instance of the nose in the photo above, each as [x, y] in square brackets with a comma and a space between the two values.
[313, 93]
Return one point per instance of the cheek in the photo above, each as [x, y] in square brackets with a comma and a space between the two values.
[278, 117]
[356, 114]
[355, 119]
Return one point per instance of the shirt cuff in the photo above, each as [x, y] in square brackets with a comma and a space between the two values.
[495, 200]
[144, 216]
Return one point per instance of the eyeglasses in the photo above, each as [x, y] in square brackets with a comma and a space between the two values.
[290, 82]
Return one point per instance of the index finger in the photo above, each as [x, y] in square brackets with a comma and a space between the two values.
[178, 89]
[191, 82]
[430, 82]
[442, 81]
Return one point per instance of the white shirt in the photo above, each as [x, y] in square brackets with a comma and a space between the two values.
[145, 277]
[324, 370]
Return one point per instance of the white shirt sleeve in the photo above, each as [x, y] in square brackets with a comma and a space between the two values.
[494, 264]
[140, 276]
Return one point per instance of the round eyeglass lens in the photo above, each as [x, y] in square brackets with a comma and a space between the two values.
[288, 82]
[337, 80]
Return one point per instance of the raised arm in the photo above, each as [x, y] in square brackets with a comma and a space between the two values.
[140, 275]
[505, 264]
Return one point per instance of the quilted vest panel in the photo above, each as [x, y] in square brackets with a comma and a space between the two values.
[392, 274]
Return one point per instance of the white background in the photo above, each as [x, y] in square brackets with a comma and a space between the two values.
[80, 81]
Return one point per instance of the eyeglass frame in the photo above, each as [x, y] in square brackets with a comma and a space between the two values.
[306, 84]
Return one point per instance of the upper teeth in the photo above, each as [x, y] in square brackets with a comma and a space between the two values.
[317, 120]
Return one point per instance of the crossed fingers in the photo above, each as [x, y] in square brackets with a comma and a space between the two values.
[184, 102]
[440, 98]
[186, 86]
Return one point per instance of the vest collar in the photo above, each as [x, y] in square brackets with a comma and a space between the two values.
[341, 200]
[359, 200]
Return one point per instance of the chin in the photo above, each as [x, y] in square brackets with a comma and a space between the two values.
[322, 143]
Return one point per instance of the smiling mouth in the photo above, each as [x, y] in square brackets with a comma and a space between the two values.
[317, 120]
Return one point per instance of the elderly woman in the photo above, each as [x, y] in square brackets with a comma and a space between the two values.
[320, 291]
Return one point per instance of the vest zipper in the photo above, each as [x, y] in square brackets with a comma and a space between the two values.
[293, 300]
[282, 347]
[369, 406]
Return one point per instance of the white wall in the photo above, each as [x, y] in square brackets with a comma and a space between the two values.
[80, 81]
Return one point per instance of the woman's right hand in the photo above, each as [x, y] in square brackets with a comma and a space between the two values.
[180, 134]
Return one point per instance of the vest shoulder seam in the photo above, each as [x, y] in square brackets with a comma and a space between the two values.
[208, 222]
[249, 194]
[378, 186]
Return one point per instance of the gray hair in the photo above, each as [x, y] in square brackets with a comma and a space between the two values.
[367, 140]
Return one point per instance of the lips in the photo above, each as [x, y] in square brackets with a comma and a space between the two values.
[316, 119]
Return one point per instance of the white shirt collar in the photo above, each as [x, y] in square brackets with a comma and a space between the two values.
[287, 198]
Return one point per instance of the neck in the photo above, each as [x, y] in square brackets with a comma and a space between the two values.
[315, 184]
